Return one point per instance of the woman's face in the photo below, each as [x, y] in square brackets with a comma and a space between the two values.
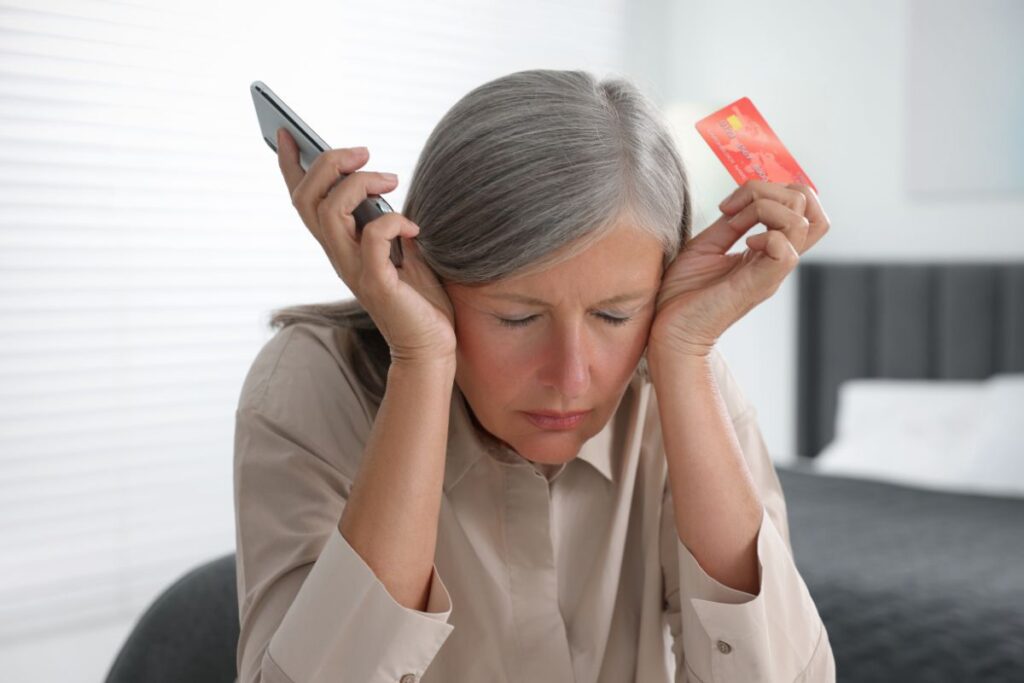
[569, 355]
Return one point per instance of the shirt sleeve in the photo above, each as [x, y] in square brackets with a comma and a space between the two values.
[724, 635]
[310, 608]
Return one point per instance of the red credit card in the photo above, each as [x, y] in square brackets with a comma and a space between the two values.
[742, 141]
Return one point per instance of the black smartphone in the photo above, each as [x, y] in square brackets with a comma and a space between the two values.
[273, 113]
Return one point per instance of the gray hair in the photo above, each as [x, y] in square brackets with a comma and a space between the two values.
[519, 169]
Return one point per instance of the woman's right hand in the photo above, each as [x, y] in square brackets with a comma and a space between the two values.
[408, 304]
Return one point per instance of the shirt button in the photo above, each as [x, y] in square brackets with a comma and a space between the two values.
[724, 647]
[408, 678]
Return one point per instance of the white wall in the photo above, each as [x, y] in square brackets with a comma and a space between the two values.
[144, 222]
[831, 79]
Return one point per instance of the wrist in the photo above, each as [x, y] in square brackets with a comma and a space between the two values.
[660, 357]
[440, 366]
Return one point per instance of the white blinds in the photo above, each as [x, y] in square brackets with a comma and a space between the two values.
[145, 233]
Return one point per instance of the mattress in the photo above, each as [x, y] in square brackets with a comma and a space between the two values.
[912, 584]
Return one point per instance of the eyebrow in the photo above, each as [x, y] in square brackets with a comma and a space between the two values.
[630, 296]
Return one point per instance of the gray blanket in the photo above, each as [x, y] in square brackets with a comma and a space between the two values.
[913, 585]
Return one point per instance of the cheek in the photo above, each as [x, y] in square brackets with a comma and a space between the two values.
[491, 360]
[624, 356]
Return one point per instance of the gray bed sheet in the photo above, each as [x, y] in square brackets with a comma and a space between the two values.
[912, 584]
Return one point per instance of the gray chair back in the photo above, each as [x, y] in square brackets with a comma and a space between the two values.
[189, 633]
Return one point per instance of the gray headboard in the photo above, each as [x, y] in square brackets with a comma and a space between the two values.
[900, 320]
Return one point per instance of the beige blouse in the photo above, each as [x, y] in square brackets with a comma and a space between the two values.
[580, 577]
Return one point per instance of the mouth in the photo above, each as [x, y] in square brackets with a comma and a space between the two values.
[550, 419]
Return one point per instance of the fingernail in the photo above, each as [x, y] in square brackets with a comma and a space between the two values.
[390, 176]
[728, 199]
[361, 150]
[279, 136]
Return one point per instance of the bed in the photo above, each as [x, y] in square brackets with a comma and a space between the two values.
[913, 584]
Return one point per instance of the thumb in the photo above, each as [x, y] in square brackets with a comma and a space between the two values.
[774, 257]
[288, 159]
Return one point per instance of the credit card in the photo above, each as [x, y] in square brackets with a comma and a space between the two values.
[748, 147]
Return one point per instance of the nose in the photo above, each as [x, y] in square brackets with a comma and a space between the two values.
[567, 363]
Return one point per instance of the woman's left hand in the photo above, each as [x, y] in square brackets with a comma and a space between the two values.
[705, 290]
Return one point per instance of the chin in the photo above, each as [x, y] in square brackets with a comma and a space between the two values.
[549, 453]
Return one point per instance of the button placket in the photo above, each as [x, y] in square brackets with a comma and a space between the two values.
[545, 653]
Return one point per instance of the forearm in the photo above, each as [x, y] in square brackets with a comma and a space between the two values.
[391, 515]
[717, 508]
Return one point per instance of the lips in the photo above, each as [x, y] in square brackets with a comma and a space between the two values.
[552, 420]
[555, 414]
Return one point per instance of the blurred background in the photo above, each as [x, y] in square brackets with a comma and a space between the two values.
[146, 232]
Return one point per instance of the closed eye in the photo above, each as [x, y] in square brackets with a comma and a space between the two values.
[522, 322]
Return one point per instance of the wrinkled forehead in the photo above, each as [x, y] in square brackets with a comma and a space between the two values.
[622, 263]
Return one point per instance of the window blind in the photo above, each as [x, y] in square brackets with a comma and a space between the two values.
[145, 234]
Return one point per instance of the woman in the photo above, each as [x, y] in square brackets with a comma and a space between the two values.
[403, 511]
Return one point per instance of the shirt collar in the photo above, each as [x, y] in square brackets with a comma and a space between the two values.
[467, 443]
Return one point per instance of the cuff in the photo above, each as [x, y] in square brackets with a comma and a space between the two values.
[345, 625]
[732, 635]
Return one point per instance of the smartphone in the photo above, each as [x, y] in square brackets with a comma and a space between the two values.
[272, 113]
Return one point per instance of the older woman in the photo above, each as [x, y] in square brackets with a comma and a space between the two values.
[519, 455]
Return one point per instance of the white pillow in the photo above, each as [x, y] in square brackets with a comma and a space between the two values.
[996, 459]
[958, 435]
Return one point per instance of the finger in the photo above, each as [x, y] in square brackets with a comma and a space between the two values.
[291, 169]
[780, 258]
[378, 270]
[719, 237]
[307, 193]
[775, 217]
[781, 250]
[752, 190]
[343, 199]
[288, 160]
[351, 191]
[338, 226]
[323, 175]
[341, 247]
[814, 213]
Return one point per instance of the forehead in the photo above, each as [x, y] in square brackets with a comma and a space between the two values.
[623, 264]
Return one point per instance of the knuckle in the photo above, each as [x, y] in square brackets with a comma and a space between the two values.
[343, 158]
[323, 208]
[354, 152]
[337, 157]
[360, 178]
